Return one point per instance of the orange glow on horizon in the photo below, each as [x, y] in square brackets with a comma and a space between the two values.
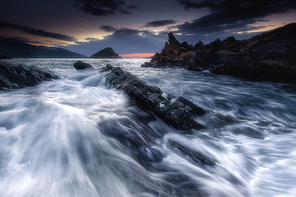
[137, 55]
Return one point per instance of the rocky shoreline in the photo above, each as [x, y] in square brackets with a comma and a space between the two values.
[269, 56]
[19, 76]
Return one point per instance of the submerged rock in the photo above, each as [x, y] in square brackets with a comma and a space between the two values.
[178, 112]
[268, 56]
[19, 76]
[106, 53]
[194, 155]
[80, 65]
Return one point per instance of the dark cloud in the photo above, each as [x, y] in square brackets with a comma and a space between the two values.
[107, 28]
[123, 41]
[92, 39]
[37, 32]
[28, 41]
[232, 15]
[104, 7]
[132, 7]
[160, 23]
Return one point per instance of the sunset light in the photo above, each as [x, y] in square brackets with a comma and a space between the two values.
[137, 55]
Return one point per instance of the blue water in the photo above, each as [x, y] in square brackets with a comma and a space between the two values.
[78, 136]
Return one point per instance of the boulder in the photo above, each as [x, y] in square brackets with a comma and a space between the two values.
[19, 76]
[178, 112]
[80, 65]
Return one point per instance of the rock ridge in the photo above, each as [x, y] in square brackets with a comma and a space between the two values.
[178, 112]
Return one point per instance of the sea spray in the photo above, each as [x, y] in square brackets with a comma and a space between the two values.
[77, 136]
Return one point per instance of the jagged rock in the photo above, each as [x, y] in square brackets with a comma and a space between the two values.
[268, 56]
[80, 65]
[173, 41]
[106, 53]
[176, 111]
[182, 50]
[19, 76]
[215, 46]
[230, 39]
[184, 44]
[190, 47]
[4, 57]
[198, 45]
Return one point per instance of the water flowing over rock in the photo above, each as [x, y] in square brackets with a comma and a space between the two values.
[19, 76]
[178, 112]
[268, 56]
[106, 53]
[80, 65]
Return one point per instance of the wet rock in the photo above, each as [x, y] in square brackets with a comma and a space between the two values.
[195, 156]
[178, 112]
[80, 65]
[19, 76]
[132, 140]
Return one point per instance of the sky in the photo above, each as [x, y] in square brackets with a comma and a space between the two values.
[137, 28]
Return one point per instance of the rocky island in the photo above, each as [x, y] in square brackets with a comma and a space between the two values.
[269, 56]
[106, 53]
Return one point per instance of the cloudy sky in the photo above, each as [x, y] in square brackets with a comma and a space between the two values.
[137, 26]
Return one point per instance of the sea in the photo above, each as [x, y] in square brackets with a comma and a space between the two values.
[77, 136]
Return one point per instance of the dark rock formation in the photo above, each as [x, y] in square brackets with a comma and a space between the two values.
[268, 56]
[4, 57]
[106, 53]
[80, 65]
[19, 76]
[175, 111]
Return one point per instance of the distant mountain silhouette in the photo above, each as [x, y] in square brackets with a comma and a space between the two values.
[17, 49]
[106, 53]
[4, 57]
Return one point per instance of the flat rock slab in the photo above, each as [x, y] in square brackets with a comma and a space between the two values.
[178, 112]
[19, 76]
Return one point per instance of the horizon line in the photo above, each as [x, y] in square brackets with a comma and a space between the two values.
[137, 55]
